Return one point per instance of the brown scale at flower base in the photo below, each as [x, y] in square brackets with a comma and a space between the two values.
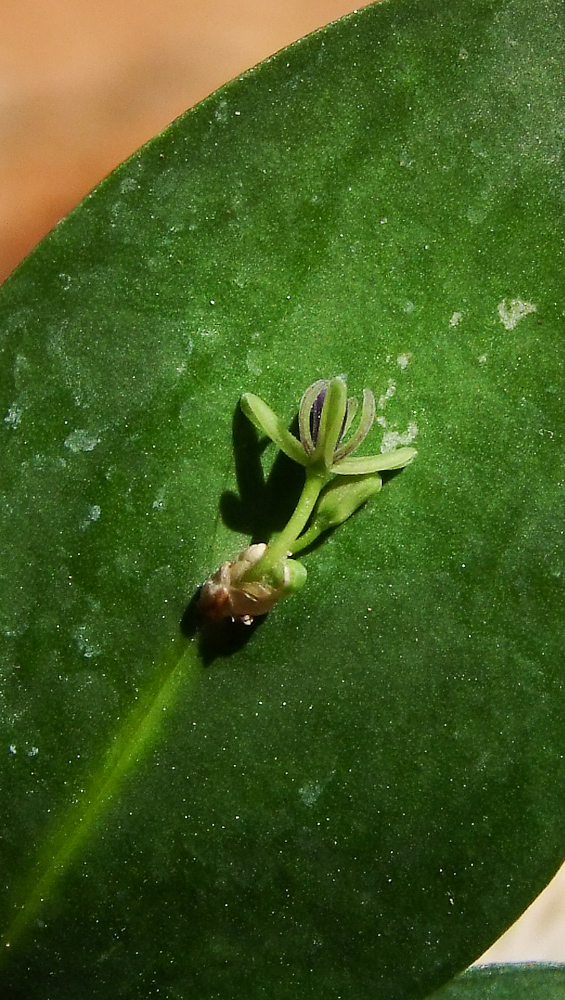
[224, 595]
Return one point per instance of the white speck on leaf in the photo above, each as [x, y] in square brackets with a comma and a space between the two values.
[86, 645]
[208, 332]
[511, 311]
[159, 501]
[404, 360]
[394, 439]
[310, 792]
[254, 362]
[13, 416]
[221, 112]
[81, 441]
[456, 319]
[93, 514]
[128, 184]
[383, 400]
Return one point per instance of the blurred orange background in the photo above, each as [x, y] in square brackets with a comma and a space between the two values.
[83, 85]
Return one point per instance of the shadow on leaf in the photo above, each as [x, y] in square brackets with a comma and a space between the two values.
[216, 638]
[259, 508]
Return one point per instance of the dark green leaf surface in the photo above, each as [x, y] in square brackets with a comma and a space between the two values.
[507, 982]
[359, 799]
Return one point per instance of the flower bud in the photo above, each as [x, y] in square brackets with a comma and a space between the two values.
[341, 499]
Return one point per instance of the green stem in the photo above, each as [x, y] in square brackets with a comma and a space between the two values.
[284, 542]
[306, 539]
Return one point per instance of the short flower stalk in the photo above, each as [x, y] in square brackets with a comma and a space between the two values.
[335, 486]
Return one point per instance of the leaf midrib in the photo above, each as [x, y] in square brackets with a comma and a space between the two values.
[76, 827]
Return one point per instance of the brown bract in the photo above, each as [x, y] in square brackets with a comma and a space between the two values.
[224, 595]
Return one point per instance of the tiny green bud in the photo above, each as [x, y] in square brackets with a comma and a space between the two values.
[294, 576]
[341, 499]
[338, 501]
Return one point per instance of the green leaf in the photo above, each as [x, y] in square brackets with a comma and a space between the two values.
[507, 982]
[358, 796]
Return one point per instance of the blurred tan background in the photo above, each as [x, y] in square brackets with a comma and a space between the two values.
[82, 85]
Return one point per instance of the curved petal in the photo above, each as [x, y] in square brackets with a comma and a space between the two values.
[267, 421]
[306, 404]
[333, 416]
[365, 424]
[375, 463]
[351, 410]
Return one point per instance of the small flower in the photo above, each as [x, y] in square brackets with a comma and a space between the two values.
[324, 420]
[262, 575]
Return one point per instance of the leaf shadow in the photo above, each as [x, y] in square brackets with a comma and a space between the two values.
[216, 639]
[260, 507]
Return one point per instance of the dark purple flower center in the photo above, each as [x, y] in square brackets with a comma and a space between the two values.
[316, 417]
